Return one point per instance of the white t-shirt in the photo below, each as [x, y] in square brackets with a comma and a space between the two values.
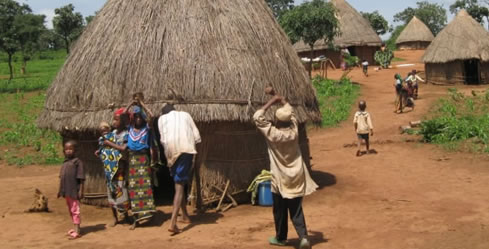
[179, 135]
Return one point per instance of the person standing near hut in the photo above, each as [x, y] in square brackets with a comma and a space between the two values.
[179, 135]
[116, 166]
[139, 175]
[290, 177]
[71, 185]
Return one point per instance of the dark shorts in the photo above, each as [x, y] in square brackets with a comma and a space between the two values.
[363, 136]
[181, 169]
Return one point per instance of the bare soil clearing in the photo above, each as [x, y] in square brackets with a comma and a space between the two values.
[409, 195]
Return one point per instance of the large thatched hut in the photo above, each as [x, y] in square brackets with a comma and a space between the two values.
[459, 53]
[212, 59]
[357, 36]
[415, 36]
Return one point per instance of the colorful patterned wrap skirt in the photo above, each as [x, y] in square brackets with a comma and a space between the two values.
[139, 185]
[118, 197]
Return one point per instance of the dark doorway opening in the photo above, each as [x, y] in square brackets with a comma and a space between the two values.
[352, 51]
[165, 189]
[471, 72]
[163, 184]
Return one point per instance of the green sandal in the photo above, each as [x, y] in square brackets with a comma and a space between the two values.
[275, 242]
[305, 244]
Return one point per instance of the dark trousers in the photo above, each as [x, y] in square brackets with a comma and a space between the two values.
[294, 207]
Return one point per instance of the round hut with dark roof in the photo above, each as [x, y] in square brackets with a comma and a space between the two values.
[459, 53]
[357, 35]
[415, 36]
[212, 59]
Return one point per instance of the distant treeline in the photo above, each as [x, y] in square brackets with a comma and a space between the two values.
[23, 32]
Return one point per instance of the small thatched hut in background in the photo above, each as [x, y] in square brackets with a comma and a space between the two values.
[212, 59]
[459, 53]
[415, 36]
[357, 36]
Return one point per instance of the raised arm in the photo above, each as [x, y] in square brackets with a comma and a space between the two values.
[147, 111]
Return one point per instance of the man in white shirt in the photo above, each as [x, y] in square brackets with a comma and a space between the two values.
[179, 135]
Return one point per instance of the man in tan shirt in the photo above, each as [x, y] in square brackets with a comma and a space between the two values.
[290, 178]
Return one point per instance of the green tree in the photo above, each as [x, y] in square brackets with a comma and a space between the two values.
[310, 22]
[280, 6]
[9, 10]
[473, 7]
[68, 24]
[432, 14]
[89, 19]
[50, 40]
[29, 28]
[396, 32]
[377, 21]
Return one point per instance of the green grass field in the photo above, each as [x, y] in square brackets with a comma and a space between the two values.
[40, 72]
[335, 99]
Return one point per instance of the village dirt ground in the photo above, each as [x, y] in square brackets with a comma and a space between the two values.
[408, 196]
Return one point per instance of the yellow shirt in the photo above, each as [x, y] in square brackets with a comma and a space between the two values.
[290, 177]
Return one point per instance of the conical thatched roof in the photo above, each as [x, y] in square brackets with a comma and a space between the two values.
[463, 38]
[210, 58]
[355, 30]
[415, 31]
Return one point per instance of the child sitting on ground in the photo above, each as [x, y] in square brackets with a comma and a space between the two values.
[363, 126]
[71, 185]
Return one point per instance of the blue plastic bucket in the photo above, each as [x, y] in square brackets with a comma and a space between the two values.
[265, 194]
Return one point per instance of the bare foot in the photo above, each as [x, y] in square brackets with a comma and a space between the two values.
[133, 226]
[113, 223]
[174, 231]
[359, 153]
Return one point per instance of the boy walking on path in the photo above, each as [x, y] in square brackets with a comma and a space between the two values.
[363, 126]
[290, 177]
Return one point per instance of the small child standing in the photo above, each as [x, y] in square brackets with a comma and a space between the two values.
[71, 185]
[365, 67]
[363, 126]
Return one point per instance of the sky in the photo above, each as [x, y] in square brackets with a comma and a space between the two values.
[388, 8]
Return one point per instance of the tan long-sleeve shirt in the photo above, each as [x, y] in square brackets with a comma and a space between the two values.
[290, 177]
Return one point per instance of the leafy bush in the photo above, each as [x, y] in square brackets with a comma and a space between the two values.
[335, 99]
[459, 118]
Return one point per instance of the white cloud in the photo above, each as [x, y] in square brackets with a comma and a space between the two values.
[49, 13]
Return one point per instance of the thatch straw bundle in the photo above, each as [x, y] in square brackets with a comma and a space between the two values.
[461, 39]
[212, 59]
[415, 31]
[355, 30]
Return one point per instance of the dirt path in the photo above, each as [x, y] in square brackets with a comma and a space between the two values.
[409, 195]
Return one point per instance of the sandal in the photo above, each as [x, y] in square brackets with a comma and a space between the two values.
[359, 153]
[70, 232]
[74, 236]
[276, 242]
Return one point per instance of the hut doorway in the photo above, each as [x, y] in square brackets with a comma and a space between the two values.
[164, 188]
[471, 72]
